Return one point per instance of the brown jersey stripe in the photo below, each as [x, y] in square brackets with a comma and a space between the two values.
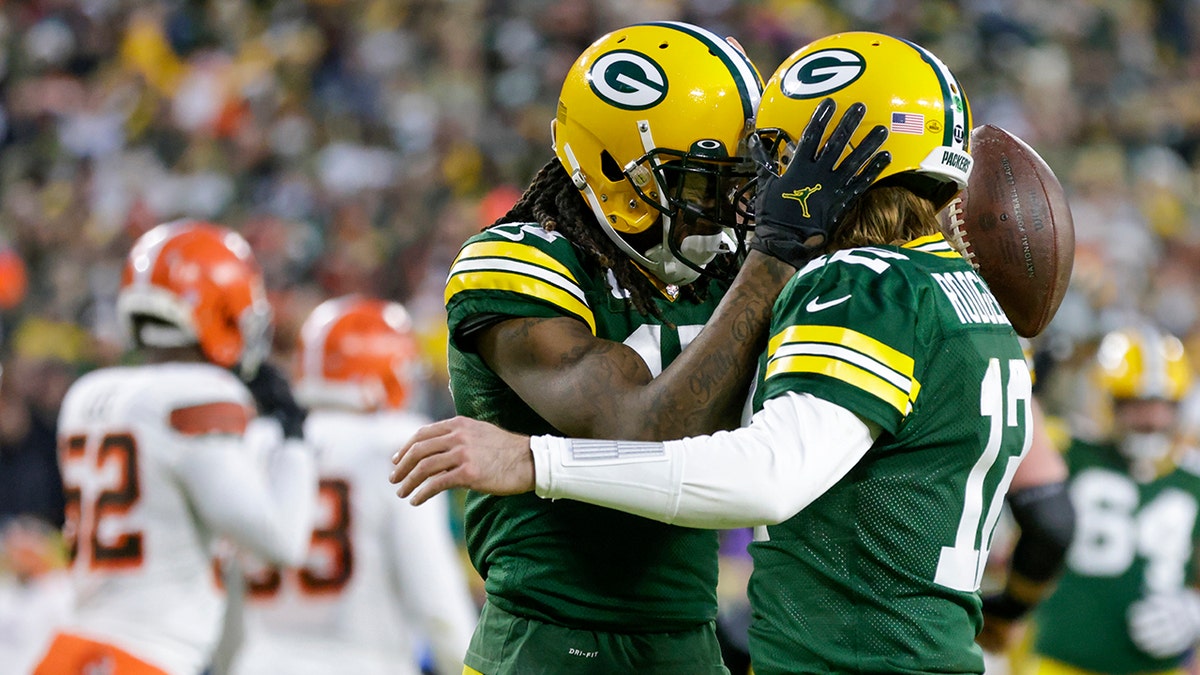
[225, 417]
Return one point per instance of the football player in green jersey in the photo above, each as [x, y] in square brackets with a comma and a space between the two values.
[573, 314]
[1126, 602]
[892, 406]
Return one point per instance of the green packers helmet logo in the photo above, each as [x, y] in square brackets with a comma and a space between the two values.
[628, 80]
[801, 195]
[822, 73]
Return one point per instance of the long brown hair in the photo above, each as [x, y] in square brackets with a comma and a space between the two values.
[885, 215]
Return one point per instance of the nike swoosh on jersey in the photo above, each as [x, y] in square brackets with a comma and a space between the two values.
[815, 305]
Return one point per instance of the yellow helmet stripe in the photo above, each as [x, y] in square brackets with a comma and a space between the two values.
[744, 73]
[1154, 380]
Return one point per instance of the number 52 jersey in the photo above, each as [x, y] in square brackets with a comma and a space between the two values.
[154, 467]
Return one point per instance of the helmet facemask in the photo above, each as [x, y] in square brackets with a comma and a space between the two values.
[770, 150]
[694, 194]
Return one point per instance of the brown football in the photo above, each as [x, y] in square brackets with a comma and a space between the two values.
[1013, 223]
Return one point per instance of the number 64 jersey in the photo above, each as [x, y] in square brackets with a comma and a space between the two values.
[1133, 539]
[155, 467]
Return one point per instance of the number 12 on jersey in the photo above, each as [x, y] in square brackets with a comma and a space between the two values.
[1004, 406]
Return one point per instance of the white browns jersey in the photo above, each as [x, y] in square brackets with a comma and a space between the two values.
[379, 570]
[155, 468]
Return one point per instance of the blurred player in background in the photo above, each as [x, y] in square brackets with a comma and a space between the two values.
[580, 311]
[379, 572]
[888, 417]
[36, 596]
[155, 465]
[1126, 602]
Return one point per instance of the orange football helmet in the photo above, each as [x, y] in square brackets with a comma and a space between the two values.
[357, 353]
[14, 278]
[190, 282]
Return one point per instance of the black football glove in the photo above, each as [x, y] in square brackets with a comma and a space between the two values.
[795, 214]
[273, 395]
[1004, 606]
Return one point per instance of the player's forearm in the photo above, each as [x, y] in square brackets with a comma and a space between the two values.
[590, 387]
[273, 520]
[704, 389]
[791, 453]
[431, 579]
[1047, 521]
[293, 485]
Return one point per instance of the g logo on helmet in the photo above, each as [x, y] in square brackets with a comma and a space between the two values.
[628, 80]
[822, 73]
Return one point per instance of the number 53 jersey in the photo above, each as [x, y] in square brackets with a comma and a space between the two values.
[880, 573]
[154, 467]
[378, 570]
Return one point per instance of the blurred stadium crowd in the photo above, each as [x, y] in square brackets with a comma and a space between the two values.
[357, 143]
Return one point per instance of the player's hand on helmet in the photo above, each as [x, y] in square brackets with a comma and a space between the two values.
[273, 396]
[797, 212]
[1165, 625]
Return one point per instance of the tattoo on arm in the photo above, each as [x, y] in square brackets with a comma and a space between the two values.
[594, 388]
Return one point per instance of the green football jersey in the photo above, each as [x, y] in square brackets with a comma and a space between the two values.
[567, 562]
[881, 573]
[1131, 539]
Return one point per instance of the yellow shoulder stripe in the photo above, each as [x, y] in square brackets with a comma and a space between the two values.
[525, 285]
[871, 373]
[513, 251]
[851, 339]
[846, 372]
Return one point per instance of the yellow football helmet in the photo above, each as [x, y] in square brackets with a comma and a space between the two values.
[1143, 362]
[651, 125]
[906, 89]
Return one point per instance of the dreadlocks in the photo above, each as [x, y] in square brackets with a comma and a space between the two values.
[553, 202]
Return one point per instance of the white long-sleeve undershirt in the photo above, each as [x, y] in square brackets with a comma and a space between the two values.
[269, 513]
[794, 449]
